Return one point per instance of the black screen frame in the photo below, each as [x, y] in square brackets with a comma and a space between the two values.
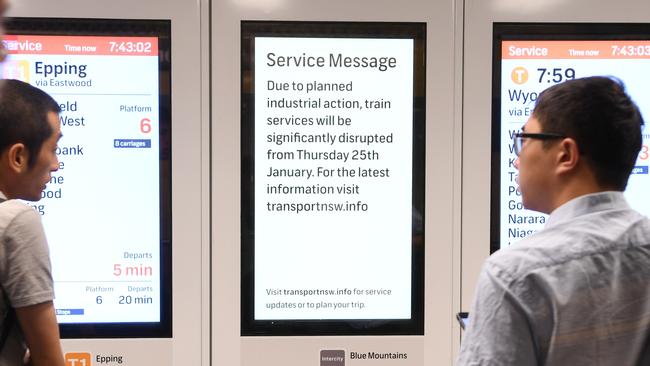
[135, 28]
[317, 29]
[547, 31]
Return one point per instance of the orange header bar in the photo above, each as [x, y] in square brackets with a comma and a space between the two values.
[575, 49]
[81, 45]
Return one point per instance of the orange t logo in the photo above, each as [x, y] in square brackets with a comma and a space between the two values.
[77, 359]
[519, 75]
[15, 70]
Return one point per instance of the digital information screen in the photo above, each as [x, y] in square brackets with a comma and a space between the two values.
[529, 64]
[333, 217]
[102, 210]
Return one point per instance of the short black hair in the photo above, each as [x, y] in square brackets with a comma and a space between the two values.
[603, 120]
[24, 116]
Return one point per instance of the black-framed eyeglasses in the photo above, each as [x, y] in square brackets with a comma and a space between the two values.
[518, 138]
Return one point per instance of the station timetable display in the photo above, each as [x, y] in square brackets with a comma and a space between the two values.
[529, 58]
[106, 211]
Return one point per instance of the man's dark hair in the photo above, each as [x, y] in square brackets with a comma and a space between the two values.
[602, 119]
[24, 116]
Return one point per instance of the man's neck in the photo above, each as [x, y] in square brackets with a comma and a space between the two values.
[575, 189]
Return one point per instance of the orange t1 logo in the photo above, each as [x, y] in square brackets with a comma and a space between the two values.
[77, 359]
[16, 70]
[519, 75]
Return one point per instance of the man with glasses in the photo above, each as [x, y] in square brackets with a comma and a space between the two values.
[577, 292]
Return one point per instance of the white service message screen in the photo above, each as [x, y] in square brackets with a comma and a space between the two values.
[333, 142]
[529, 67]
[101, 209]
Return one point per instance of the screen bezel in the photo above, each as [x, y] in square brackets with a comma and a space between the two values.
[143, 28]
[252, 29]
[538, 32]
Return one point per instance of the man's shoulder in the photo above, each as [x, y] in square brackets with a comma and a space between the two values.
[575, 239]
[14, 205]
[16, 212]
[519, 259]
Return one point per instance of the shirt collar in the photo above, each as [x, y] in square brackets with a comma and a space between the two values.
[588, 203]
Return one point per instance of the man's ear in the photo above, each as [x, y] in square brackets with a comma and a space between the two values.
[17, 157]
[568, 155]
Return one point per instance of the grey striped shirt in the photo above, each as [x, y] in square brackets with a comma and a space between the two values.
[575, 293]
